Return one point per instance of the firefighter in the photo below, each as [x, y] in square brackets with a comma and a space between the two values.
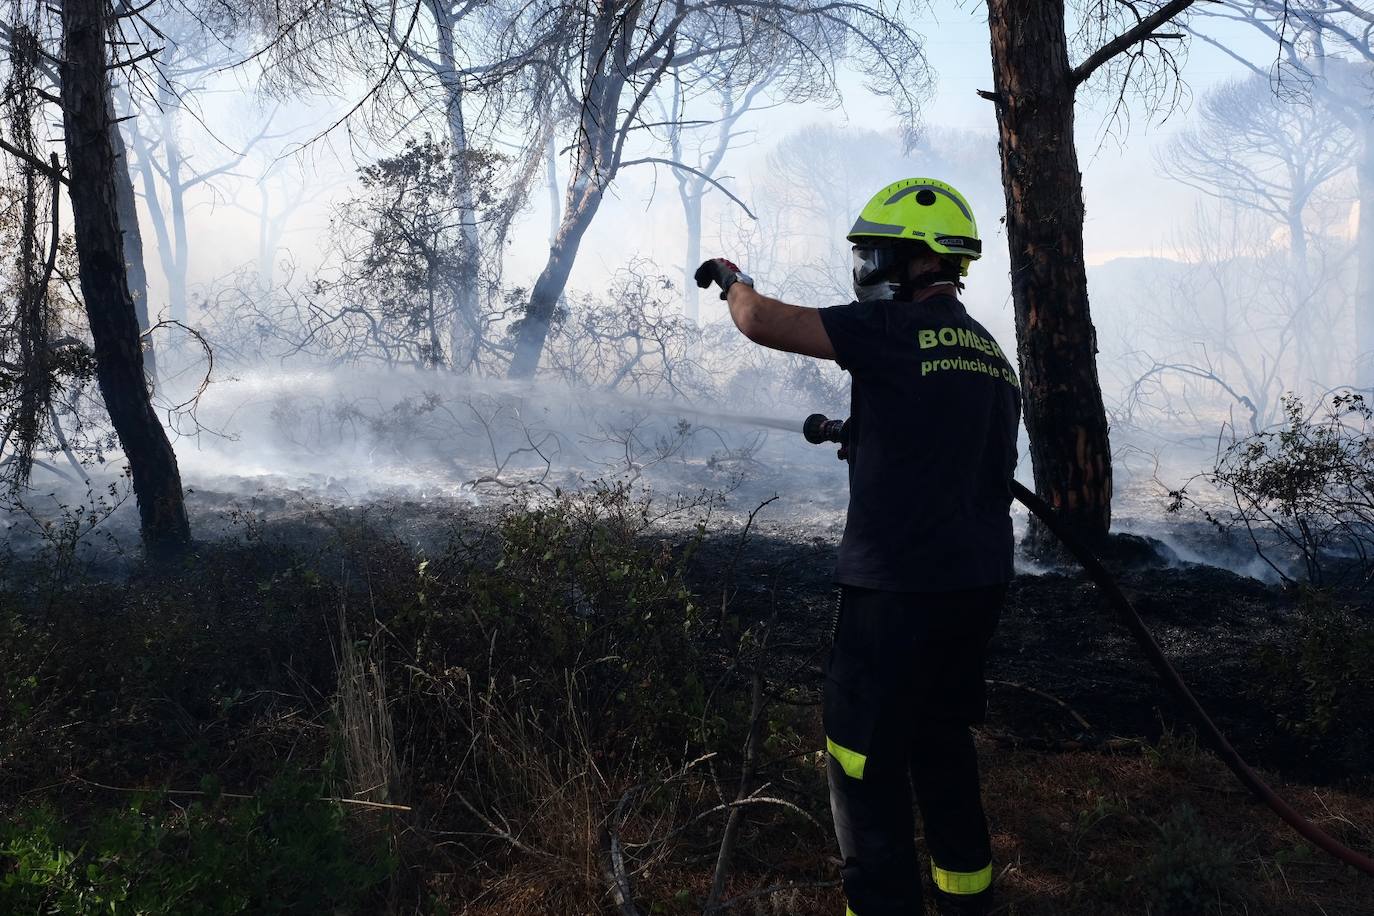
[926, 554]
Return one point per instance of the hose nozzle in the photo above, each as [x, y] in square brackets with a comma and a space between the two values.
[818, 429]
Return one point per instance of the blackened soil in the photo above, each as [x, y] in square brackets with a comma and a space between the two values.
[1061, 640]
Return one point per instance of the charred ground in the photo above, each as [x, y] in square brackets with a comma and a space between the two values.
[138, 707]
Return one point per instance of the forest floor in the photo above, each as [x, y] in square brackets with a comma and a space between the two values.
[446, 708]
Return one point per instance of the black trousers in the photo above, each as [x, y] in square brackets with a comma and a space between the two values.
[904, 683]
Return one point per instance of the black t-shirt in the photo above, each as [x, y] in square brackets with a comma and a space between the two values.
[932, 446]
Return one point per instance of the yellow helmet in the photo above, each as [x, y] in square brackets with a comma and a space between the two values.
[922, 210]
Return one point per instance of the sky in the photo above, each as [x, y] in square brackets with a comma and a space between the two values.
[1132, 210]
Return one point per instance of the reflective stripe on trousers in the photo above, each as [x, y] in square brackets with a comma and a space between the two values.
[851, 761]
[962, 883]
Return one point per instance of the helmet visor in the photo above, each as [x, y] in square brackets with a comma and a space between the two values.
[873, 263]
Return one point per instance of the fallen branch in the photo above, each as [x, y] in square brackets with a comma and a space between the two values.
[1060, 745]
[40, 463]
[1046, 696]
[759, 800]
[498, 832]
[732, 823]
[148, 791]
[204, 383]
[613, 861]
[66, 446]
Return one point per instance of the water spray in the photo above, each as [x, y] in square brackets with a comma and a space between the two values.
[670, 408]
[819, 429]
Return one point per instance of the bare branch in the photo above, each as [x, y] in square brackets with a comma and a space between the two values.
[700, 174]
[1141, 31]
[45, 168]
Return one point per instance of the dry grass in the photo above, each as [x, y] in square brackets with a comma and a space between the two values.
[538, 798]
[1154, 830]
[1079, 834]
[367, 742]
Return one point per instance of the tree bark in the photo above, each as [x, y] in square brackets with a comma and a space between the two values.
[553, 279]
[174, 259]
[691, 209]
[594, 168]
[461, 343]
[1056, 341]
[127, 214]
[104, 279]
[1364, 242]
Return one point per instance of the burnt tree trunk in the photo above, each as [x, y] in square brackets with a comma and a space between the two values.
[594, 168]
[1055, 338]
[104, 279]
[127, 215]
[553, 279]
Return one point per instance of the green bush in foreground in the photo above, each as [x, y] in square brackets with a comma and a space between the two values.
[1322, 680]
[576, 597]
[1187, 871]
[286, 851]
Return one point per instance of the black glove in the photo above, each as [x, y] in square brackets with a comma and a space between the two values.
[721, 272]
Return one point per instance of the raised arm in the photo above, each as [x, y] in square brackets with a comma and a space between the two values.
[774, 323]
[766, 321]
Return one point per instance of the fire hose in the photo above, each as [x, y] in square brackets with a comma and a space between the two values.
[818, 429]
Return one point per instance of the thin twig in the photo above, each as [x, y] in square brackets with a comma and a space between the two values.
[1046, 696]
[734, 560]
[499, 832]
[150, 791]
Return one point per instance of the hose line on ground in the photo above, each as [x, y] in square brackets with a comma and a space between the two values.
[1229, 755]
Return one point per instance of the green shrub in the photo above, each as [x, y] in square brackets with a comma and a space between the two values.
[1322, 680]
[1302, 490]
[26, 696]
[535, 673]
[1187, 871]
[577, 594]
[286, 851]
